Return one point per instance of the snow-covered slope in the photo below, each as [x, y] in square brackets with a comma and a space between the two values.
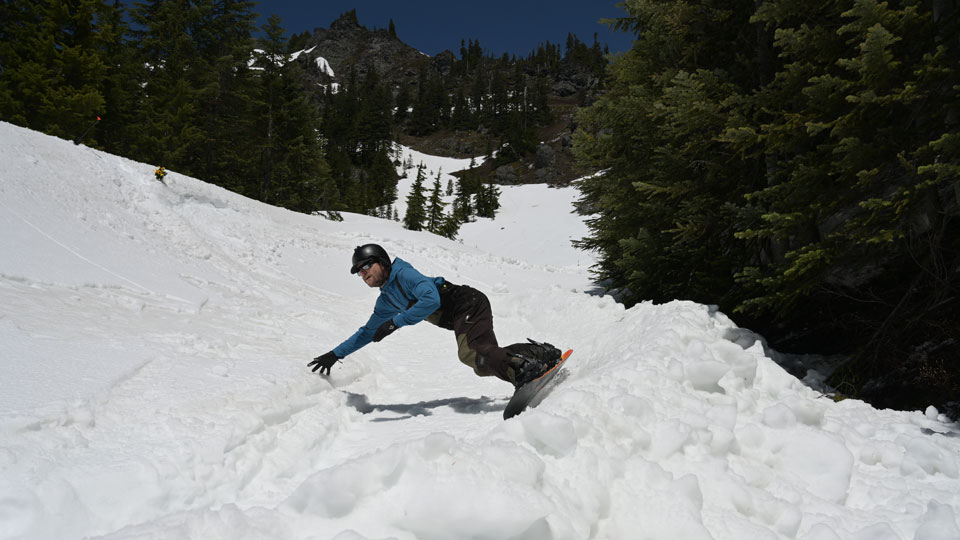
[154, 341]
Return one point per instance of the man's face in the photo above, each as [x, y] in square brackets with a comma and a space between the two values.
[374, 276]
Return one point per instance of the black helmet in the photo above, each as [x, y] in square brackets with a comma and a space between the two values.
[369, 253]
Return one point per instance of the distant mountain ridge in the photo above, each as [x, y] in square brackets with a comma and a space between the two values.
[349, 46]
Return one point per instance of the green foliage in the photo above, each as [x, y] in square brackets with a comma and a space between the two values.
[463, 202]
[449, 227]
[56, 61]
[795, 163]
[416, 203]
[488, 201]
[435, 216]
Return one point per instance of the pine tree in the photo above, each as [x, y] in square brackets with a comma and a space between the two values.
[382, 178]
[291, 170]
[499, 108]
[462, 118]
[402, 105]
[435, 208]
[431, 109]
[478, 98]
[226, 89]
[488, 201]
[462, 203]
[119, 127]
[416, 203]
[373, 121]
[23, 69]
[303, 178]
[449, 227]
[54, 64]
[171, 132]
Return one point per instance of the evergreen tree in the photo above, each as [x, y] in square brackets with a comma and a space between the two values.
[382, 180]
[462, 117]
[23, 70]
[449, 227]
[298, 42]
[171, 132]
[373, 123]
[226, 90]
[478, 98]
[496, 113]
[292, 170]
[402, 105]
[435, 208]
[269, 106]
[119, 127]
[539, 102]
[416, 203]
[792, 166]
[462, 203]
[54, 64]
[431, 110]
[488, 201]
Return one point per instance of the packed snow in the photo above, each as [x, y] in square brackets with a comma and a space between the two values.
[154, 340]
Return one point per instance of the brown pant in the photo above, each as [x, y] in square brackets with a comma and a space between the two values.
[467, 312]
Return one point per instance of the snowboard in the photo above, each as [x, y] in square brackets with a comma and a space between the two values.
[528, 393]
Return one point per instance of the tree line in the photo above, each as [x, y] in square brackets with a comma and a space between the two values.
[797, 164]
[184, 84]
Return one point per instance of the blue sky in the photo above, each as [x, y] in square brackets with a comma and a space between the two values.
[513, 27]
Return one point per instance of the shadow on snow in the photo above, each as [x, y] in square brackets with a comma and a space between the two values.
[462, 405]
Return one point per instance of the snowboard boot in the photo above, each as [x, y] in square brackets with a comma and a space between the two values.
[531, 360]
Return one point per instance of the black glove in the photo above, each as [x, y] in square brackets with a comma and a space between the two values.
[324, 363]
[385, 330]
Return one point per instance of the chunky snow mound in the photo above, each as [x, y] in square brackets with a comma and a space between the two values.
[153, 340]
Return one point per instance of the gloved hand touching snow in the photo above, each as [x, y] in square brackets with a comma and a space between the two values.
[324, 363]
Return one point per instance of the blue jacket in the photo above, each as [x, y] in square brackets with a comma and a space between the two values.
[407, 297]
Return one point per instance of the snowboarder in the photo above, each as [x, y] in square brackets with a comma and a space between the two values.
[408, 297]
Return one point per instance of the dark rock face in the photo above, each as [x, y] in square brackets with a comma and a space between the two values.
[444, 62]
[348, 46]
[546, 157]
[505, 174]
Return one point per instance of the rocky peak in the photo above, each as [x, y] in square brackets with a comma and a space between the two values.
[346, 22]
[349, 46]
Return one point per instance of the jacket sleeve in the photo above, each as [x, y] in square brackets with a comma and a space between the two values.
[425, 296]
[382, 312]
